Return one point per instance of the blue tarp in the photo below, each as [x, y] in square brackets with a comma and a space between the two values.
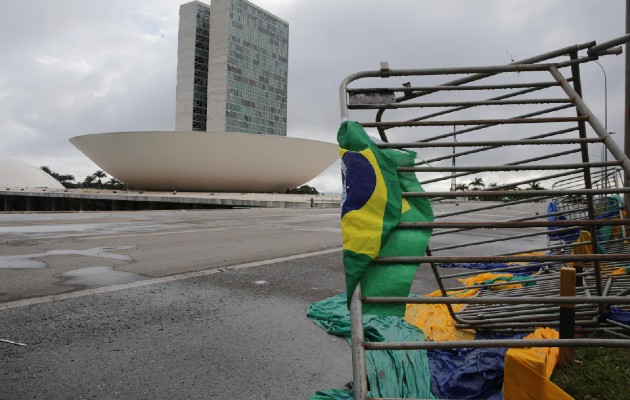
[619, 315]
[468, 373]
[568, 236]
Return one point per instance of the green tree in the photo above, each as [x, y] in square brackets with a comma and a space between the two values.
[99, 175]
[477, 184]
[64, 179]
[88, 181]
[535, 186]
[304, 189]
[115, 184]
[492, 186]
[47, 170]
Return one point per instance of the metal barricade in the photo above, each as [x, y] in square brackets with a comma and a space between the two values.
[520, 136]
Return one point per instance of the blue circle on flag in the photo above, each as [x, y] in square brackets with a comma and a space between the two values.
[359, 181]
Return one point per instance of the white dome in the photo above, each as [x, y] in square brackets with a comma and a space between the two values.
[18, 174]
[203, 161]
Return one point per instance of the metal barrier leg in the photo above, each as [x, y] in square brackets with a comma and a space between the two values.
[359, 373]
[567, 313]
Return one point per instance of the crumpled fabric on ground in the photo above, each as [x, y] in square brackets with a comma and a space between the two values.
[619, 314]
[391, 373]
[524, 268]
[468, 373]
[457, 373]
[531, 368]
[435, 320]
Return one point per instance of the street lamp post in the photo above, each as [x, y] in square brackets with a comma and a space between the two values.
[604, 149]
[604, 152]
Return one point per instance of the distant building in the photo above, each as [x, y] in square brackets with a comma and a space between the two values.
[231, 77]
[204, 162]
[18, 174]
[232, 69]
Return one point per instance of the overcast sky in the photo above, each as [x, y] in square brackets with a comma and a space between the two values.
[72, 67]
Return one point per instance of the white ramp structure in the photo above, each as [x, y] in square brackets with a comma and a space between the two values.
[202, 161]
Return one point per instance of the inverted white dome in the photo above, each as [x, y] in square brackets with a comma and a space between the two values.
[18, 174]
[203, 161]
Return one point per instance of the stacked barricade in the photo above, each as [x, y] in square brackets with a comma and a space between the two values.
[557, 257]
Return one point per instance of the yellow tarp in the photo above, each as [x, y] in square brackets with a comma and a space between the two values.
[481, 278]
[489, 276]
[435, 320]
[587, 248]
[527, 370]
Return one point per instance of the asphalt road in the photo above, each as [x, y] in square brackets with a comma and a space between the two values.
[238, 334]
[181, 304]
[113, 327]
[42, 254]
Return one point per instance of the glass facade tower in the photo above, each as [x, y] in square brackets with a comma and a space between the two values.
[232, 69]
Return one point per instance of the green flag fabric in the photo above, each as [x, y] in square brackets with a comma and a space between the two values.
[372, 206]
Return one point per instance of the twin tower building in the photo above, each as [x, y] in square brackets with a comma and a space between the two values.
[232, 69]
[231, 78]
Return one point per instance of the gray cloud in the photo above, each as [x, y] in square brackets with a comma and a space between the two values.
[71, 67]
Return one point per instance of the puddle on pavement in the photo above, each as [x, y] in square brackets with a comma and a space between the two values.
[20, 262]
[98, 276]
[28, 261]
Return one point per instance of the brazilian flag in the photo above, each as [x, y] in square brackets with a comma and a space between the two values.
[372, 206]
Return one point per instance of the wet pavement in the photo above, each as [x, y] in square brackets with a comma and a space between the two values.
[178, 304]
[38, 250]
[203, 304]
[237, 334]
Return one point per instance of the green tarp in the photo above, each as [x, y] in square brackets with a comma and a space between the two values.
[400, 373]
